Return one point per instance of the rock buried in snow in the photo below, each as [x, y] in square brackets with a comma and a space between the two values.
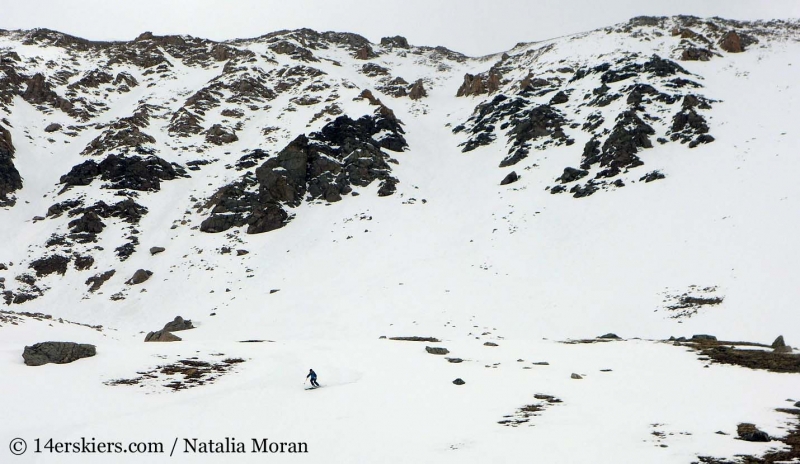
[703, 337]
[454, 360]
[609, 335]
[161, 336]
[749, 432]
[437, 350]
[490, 344]
[783, 349]
[57, 353]
[178, 324]
[139, 276]
[459, 382]
[778, 342]
[576, 376]
[156, 250]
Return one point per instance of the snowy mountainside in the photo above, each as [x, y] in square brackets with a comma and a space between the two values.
[319, 191]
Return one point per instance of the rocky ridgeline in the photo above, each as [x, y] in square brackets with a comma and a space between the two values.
[627, 99]
[322, 166]
[625, 102]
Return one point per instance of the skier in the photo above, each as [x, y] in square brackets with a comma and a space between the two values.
[313, 376]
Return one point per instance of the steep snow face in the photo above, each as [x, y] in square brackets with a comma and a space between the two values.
[321, 191]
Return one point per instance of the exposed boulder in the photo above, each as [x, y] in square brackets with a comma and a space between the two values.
[778, 342]
[458, 382]
[178, 324]
[89, 223]
[161, 336]
[510, 178]
[702, 337]
[749, 432]
[220, 135]
[139, 277]
[696, 54]
[571, 175]
[52, 127]
[559, 98]
[57, 353]
[156, 250]
[611, 336]
[437, 350]
[490, 344]
[576, 376]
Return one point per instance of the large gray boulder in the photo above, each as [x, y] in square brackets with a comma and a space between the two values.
[57, 353]
[139, 276]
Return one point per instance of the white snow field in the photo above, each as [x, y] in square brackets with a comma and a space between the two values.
[451, 254]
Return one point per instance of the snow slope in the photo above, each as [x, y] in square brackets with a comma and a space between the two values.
[451, 254]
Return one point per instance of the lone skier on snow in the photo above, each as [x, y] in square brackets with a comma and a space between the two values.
[313, 376]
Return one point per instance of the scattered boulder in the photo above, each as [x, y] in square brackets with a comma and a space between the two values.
[396, 41]
[139, 276]
[703, 337]
[178, 324]
[559, 98]
[49, 265]
[571, 175]
[459, 382]
[510, 178]
[609, 335]
[490, 344]
[161, 336]
[241, 252]
[219, 135]
[156, 250]
[437, 350]
[696, 54]
[454, 360]
[52, 127]
[57, 353]
[576, 376]
[749, 432]
[416, 339]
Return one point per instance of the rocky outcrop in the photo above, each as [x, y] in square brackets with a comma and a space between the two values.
[749, 432]
[57, 353]
[220, 135]
[731, 42]
[395, 42]
[696, 54]
[479, 85]
[10, 179]
[54, 264]
[124, 172]
[325, 165]
[417, 90]
[437, 350]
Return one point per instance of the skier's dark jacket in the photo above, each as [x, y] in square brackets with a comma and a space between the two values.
[312, 374]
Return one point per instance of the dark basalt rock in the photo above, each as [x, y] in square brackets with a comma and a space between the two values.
[559, 98]
[510, 178]
[124, 172]
[749, 432]
[580, 191]
[83, 263]
[50, 264]
[89, 223]
[571, 175]
[57, 353]
[619, 150]
[651, 176]
[161, 336]
[52, 127]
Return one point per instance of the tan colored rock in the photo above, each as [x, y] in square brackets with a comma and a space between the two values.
[731, 42]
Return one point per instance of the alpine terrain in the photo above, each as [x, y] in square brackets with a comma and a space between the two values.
[578, 250]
